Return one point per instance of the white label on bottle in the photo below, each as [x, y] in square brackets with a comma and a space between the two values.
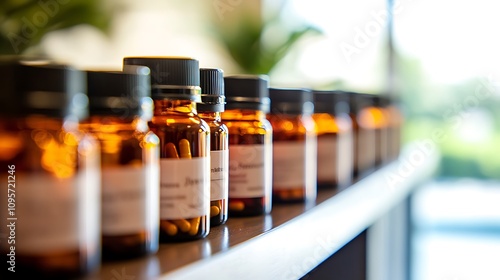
[327, 158]
[366, 149]
[311, 165]
[289, 165]
[152, 157]
[47, 215]
[382, 143]
[184, 188]
[124, 200]
[50, 214]
[219, 170]
[250, 170]
[89, 194]
[345, 166]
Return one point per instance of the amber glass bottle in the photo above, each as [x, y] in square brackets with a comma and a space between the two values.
[396, 119]
[294, 145]
[365, 134]
[184, 147]
[51, 198]
[119, 109]
[250, 145]
[334, 130]
[210, 108]
[382, 117]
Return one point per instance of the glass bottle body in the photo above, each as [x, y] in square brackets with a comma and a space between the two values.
[395, 123]
[364, 144]
[130, 185]
[385, 136]
[219, 168]
[54, 190]
[371, 139]
[250, 162]
[294, 158]
[335, 151]
[184, 170]
[379, 117]
[345, 168]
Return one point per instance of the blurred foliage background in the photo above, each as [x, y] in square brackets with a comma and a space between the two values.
[25, 22]
[251, 49]
[465, 115]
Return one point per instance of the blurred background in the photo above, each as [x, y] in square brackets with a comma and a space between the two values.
[438, 58]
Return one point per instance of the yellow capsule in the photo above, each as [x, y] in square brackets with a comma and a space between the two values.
[184, 148]
[236, 206]
[171, 150]
[170, 228]
[183, 225]
[195, 225]
[214, 211]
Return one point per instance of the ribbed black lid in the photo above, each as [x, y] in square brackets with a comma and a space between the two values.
[174, 78]
[381, 100]
[42, 88]
[118, 93]
[291, 101]
[358, 101]
[331, 101]
[247, 92]
[212, 90]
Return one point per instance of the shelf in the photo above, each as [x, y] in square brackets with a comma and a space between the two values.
[289, 242]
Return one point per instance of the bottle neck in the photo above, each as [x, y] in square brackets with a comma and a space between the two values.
[247, 115]
[163, 107]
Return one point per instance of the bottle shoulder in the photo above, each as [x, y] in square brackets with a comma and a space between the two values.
[46, 145]
[260, 123]
[191, 121]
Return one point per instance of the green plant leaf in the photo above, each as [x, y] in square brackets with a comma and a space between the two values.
[245, 44]
[25, 23]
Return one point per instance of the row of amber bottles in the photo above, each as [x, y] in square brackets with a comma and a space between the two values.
[335, 136]
[228, 164]
[109, 164]
[84, 167]
[377, 124]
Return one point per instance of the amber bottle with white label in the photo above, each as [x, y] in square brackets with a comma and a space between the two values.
[380, 116]
[184, 147]
[294, 145]
[334, 130]
[210, 108]
[119, 109]
[396, 120]
[250, 145]
[365, 151]
[50, 174]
